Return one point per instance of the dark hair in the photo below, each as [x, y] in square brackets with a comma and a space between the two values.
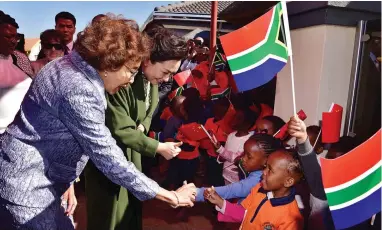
[166, 45]
[315, 130]
[7, 19]
[151, 26]
[224, 102]
[276, 121]
[174, 102]
[112, 42]
[21, 44]
[345, 144]
[98, 18]
[51, 34]
[250, 117]
[294, 166]
[191, 92]
[48, 34]
[194, 107]
[266, 142]
[65, 15]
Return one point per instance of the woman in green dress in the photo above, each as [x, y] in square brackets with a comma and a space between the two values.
[128, 116]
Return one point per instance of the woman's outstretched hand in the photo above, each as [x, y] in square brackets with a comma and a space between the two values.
[185, 195]
[169, 150]
[182, 197]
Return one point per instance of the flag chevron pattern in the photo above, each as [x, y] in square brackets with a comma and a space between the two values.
[259, 55]
[220, 94]
[219, 62]
[354, 196]
[177, 92]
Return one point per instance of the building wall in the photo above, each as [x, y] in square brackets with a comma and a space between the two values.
[322, 57]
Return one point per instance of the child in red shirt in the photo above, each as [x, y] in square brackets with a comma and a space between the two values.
[271, 204]
[218, 128]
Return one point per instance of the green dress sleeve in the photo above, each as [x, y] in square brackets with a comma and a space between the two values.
[123, 127]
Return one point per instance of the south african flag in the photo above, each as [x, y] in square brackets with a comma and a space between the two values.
[219, 93]
[352, 183]
[256, 52]
[219, 62]
[177, 92]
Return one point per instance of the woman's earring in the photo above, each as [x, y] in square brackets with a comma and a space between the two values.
[105, 74]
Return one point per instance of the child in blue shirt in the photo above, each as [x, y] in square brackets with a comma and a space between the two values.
[256, 151]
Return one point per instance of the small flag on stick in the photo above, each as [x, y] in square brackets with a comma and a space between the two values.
[283, 132]
[183, 78]
[331, 124]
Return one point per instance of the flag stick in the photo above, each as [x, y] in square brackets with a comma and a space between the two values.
[276, 133]
[318, 137]
[293, 90]
[207, 133]
[212, 62]
[289, 46]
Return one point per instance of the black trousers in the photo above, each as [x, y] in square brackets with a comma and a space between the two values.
[214, 172]
[181, 170]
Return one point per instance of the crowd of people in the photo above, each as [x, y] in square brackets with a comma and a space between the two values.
[106, 107]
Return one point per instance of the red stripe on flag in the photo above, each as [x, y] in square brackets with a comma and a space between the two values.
[353, 163]
[247, 36]
[183, 77]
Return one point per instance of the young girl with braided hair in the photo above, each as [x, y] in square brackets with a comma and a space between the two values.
[256, 151]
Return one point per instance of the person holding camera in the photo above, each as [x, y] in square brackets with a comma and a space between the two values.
[197, 54]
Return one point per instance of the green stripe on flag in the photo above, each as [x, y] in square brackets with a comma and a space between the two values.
[269, 47]
[225, 93]
[355, 190]
[179, 91]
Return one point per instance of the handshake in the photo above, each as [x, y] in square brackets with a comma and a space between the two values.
[183, 196]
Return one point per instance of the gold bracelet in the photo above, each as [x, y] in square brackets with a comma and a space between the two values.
[177, 198]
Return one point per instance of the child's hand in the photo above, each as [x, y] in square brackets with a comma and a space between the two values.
[211, 195]
[297, 129]
[214, 141]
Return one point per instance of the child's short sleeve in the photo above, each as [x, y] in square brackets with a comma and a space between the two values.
[247, 202]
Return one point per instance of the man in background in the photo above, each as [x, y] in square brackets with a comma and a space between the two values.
[66, 25]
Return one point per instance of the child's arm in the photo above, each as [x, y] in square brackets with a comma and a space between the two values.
[240, 189]
[308, 157]
[231, 213]
[226, 154]
[228, 212]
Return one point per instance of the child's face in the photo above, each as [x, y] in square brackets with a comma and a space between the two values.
[239, 123]
[275, 175]
[254, 158]
[265, 126]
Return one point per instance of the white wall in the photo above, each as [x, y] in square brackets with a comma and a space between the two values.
[322, 58]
